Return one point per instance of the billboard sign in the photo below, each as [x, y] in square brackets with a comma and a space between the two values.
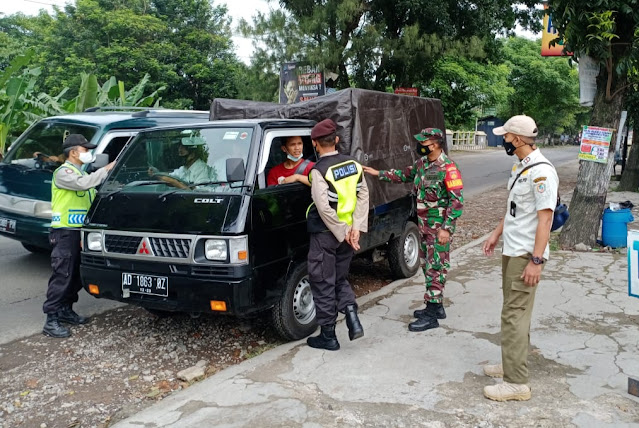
[300, 83]
[548, 34]
[413, 92]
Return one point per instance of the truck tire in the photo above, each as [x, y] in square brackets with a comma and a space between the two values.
[403, 252]
[294, 314]
[35, 249]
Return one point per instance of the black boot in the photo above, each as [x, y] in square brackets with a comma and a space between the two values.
[67, 314]
[440, 312]
[325, 340]
[429, 319]
[53, 328]
[355, 329]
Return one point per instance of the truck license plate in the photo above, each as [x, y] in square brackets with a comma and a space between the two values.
[7, 225]
[145, 284]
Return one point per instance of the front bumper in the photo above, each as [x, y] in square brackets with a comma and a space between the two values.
[189, 290]
[29, 230]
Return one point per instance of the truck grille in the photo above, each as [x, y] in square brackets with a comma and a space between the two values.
[213, 271]
[122, 244]
[170, 247]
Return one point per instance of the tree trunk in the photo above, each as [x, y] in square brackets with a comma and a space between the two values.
[630, 175]
[589, 197]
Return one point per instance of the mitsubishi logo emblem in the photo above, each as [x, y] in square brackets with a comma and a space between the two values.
[145, 247]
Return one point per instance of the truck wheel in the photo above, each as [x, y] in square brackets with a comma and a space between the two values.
[403, 252]
[294, 313]
[35, 249]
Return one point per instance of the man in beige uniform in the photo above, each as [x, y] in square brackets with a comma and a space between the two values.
[526, 229]
[335, 219]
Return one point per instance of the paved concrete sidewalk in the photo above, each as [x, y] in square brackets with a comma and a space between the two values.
[585, 337]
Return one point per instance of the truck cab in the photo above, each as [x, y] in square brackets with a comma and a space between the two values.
[27, 168]
[223, 242]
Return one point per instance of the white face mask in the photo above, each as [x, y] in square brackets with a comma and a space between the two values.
[86, 157]
[293, 158]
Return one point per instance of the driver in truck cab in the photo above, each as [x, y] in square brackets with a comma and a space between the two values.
[71, 196]
[195, 169]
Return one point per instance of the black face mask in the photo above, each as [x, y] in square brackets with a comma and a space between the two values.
[422, 150]
[510, 148]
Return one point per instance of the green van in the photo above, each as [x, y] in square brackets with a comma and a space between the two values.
[27, 167]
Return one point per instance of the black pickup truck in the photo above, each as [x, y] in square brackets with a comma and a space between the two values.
[230, 244]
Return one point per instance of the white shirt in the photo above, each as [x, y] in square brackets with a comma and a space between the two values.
[198, 172]
[535, 190]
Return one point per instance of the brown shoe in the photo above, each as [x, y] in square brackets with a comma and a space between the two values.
[506, 391]
[494, 370]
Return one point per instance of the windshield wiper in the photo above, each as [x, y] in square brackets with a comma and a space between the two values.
[230, 183]
[141, 183]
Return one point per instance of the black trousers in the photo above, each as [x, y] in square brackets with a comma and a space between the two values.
[328, 265]
[64, 283]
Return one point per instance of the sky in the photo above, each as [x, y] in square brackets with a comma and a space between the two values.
[237, 9]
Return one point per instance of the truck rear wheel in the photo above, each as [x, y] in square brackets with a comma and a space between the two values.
[403, 252]
[294, 314]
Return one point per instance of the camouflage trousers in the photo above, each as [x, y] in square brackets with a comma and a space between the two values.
[435, 262]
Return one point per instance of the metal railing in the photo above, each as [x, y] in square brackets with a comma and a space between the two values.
[466, 140]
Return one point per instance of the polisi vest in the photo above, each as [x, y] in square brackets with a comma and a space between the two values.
[344, 177]
[69, 207]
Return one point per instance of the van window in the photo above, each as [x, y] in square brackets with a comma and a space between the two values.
[115, 147]
[41, 146]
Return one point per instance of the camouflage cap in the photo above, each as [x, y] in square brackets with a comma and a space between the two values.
[429, 134]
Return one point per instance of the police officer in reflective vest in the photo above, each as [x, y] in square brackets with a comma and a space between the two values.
[335, 219]
[71, 196]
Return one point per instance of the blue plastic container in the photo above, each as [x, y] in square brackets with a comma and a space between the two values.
[614, 227]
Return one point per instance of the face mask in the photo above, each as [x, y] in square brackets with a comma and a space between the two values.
[422, 150]
[86, 157]
[294, 159]
[510, 148]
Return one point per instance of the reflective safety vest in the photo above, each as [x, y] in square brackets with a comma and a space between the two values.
[344, 177]
[69, 207]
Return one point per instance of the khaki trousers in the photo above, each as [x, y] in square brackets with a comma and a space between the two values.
[516, 314]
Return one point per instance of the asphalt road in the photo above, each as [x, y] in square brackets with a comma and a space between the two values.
[24, 276]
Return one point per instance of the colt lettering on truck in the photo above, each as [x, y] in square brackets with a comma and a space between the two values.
[186, 221]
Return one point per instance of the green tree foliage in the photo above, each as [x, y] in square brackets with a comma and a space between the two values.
[544, 88]
[606, 30]
[183, 45]
[375, 43]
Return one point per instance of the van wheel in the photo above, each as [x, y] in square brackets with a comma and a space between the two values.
[35, 249]
[403, 252]
[294, 314]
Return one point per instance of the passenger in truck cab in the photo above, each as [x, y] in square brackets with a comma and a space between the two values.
[294, 168]
[195, 169]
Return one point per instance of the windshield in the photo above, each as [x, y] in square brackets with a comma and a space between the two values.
[41, 146]
[189, 159]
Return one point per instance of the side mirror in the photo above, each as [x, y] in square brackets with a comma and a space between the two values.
[235, 170]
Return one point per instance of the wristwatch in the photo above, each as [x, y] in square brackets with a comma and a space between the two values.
[537, 260]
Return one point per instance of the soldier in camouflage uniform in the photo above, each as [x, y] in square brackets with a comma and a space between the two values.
[438, 186]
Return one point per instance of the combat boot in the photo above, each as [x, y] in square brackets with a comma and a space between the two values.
[429, 319]
[506, 391]
[325, 340]
[67, 315]
[355, 329]
[421, 313]
[53, 328]
[494, 370]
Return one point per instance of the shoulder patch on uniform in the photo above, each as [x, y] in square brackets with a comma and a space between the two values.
[541, 187]
[453, 179]
[68, 170]
[538, 179]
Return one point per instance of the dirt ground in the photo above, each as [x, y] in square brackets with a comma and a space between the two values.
[126, 359]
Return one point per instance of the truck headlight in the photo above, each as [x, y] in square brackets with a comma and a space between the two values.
[215, 249]
[239, 250]
[94, 241]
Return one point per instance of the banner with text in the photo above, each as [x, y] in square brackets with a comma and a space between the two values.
[300, 83]
[595, 144]
[633, 263]
[548, 34]
[413, 92]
